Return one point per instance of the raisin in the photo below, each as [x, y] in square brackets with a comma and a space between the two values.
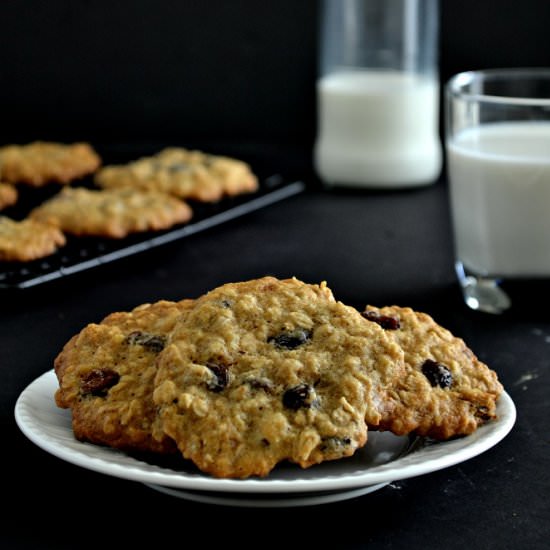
[385, 321]
[292, 339]
[437, 373]
[483, 414]
[220, 379]
[298, 396]
[152, 342]
[98, 381]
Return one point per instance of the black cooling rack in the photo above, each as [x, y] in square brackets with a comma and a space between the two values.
[80, 253]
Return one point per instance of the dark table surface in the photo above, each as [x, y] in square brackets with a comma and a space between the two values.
[378, 247]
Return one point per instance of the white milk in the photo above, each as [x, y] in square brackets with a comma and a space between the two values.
[500, 197]
[377, 129]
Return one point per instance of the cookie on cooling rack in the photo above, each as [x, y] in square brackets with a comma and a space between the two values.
[26, 240]
[113, 213]
[8, 195]
[447, 390]
[42, 162]
[184, 173]
[106, 377]
[270, 370]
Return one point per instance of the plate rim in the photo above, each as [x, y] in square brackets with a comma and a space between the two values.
[415, 461]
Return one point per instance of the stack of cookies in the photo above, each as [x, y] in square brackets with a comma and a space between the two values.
[259, 372]
[148, 194]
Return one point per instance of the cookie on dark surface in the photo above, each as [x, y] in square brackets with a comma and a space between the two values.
[27, 240]
[113, 213]
[106, 377]
[447, 390]
[270, 370]
[184, 173]
[42, 162]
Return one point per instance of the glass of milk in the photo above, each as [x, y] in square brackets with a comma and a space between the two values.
[378, 94]
[497, 142]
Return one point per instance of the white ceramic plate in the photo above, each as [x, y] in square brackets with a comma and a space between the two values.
[384, 459]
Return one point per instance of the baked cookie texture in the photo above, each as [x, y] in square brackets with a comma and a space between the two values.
[113, 213]
[28, 239]
[447, 391]
[184, 173]
[269, 370]
[8, 195]
[42, 162]
[265, 371]
[106, 377]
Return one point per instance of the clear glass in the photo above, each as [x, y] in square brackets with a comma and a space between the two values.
[497, 142]
[378, 93]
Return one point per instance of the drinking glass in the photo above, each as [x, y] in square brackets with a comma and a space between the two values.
[497, 142]
[378, 94]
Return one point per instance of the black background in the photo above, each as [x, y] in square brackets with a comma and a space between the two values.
[146, 71]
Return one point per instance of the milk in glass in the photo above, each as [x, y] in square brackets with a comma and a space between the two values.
[378, 94]
[500, 198]
[378, 128]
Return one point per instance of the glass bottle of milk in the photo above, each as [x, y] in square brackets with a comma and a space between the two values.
[378, 94]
